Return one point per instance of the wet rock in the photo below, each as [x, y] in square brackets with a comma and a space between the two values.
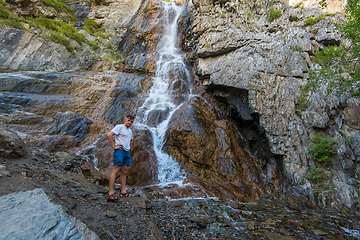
[207, 145]
[140, 64]
[70, 123]
[36, 216]
[144, 32]
[11, 144]
[143, 169]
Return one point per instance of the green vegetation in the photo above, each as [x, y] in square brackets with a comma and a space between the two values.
[340, 68]
[322, 150]
[59, 31]
[298, 48]
[272, 2]
[94, 29]
[311, 21]
[208, 45]
[302, 102]
[273, 14]
[59, 39]
[314, 174]
[9, 20]
[61, 7]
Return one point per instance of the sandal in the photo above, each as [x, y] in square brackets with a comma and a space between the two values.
[111, 198]
[125, 195]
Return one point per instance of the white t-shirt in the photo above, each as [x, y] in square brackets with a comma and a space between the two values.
[122, 136]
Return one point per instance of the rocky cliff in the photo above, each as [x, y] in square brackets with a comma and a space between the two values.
[236, 45]
[240, 137]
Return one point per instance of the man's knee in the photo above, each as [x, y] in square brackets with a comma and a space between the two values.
[124, 169]
[116, 169]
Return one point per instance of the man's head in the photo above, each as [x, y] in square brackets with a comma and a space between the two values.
[129, 120]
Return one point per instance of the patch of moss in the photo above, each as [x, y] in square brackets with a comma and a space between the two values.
[273, 14]
[9, 20]
[311, 21]
[70, 32]
[94, 29]
[45, 23]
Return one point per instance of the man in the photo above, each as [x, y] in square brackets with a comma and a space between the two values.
[123, 141]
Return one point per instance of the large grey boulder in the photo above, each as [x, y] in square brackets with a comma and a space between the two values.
[30, 215]
[21, 49]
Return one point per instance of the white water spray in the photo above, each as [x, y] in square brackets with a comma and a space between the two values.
[171, 87]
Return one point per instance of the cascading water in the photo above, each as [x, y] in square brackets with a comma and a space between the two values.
[172, 86]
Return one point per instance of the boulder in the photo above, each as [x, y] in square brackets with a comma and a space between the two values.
[11, 145]
[210, 148]
[30, 214]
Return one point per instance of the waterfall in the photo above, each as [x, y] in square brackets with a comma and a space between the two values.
[171, 88]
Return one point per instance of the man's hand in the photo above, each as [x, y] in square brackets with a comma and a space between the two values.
[119, 147]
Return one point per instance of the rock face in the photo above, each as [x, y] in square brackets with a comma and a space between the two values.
[235, 45]
[11, 145]
[30, 214]
[68, 112]
[114, 16]
[211, 148]
[32, 52]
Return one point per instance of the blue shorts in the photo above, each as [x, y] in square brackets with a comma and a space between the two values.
[121, 157]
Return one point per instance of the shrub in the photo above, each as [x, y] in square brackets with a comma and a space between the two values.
[273, 14]
[340, 65]
[314, 174]
[311, 21]
[321, 150]
[302, 102]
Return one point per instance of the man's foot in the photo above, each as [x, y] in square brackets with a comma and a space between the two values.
[125, 195]
[112, 198]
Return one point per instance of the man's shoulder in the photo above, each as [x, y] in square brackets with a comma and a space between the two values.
[117, 128]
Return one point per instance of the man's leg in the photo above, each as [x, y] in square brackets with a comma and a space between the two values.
[123, 175]
[114, 172]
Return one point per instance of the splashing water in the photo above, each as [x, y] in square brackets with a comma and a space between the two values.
[171, 88]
